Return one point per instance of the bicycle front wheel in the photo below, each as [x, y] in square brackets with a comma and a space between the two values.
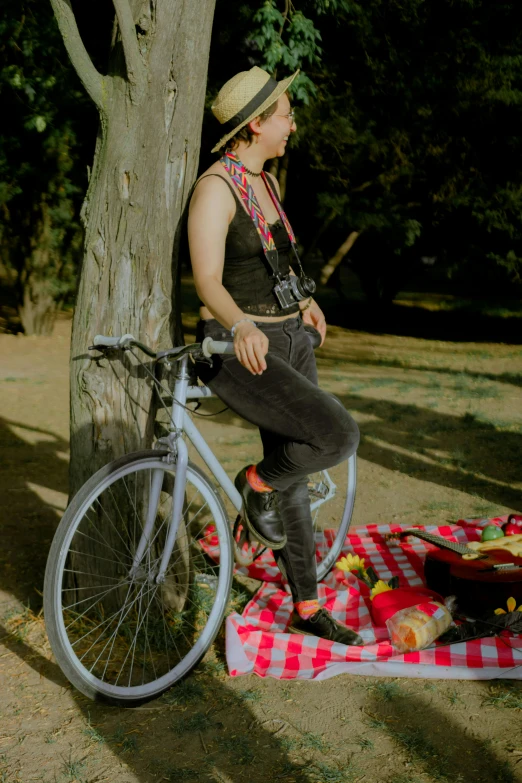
[332, 498]
[118, 634]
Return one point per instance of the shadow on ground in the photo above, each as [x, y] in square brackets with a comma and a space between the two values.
[204, 729]
[186, 736]
[200, 729]
[435, 744]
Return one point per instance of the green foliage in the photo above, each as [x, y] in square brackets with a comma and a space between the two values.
[407, 132]
[299, 45]
[40, 181]
[408, 117]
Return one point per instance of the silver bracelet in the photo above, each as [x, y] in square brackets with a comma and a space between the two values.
[233, 329]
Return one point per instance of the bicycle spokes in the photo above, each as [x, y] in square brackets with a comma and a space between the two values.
[126, 627]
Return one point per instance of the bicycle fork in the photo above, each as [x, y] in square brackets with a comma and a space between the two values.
[177, 446]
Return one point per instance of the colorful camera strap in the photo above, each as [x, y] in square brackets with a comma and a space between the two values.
[237, 173]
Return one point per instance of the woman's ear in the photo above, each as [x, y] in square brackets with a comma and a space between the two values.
[255, 126]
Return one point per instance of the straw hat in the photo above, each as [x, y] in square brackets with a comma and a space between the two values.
[244, 97]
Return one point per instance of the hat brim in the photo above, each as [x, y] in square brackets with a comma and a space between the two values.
[281, 88]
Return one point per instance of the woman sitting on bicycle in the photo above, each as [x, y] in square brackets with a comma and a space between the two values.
[241, 247]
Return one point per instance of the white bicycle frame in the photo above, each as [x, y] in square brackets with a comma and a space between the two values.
[181, 423]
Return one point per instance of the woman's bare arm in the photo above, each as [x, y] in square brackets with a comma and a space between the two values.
[211, 210]
[209, 217]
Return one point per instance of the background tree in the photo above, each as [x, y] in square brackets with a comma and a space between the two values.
[150, 104]
[40, 175]
[407, 134]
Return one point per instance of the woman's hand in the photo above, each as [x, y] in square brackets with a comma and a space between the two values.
[251, 347]
[314, 316]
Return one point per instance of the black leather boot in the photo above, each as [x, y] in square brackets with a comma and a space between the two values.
[322, 624]
[262, 514]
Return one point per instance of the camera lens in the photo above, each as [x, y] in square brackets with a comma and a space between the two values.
[308, 285]
[302, 287]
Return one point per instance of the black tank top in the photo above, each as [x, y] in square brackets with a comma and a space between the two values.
[247, 275]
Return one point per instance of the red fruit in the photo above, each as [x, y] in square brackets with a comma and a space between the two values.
[512, 529]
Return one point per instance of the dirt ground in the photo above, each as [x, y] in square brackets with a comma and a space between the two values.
[442, 439]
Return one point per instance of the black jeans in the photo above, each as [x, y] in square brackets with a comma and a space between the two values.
[303, 429]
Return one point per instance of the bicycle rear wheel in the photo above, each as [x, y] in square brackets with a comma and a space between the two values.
[332, 498]
[117, 634]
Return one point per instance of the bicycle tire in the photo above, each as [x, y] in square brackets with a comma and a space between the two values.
[55, 584]
[325, 565]
[332, 499]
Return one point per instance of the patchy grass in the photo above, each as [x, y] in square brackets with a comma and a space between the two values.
[213, 666]
[451, 415]
[250, 696]
[454, 697]
[312, 741]
[93, 734]
[507, 696]
[331, 774]
[387, 690]
[72, 769]
[186, 691]
[198, 721]
[239, 746]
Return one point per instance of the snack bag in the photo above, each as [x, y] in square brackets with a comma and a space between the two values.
[418, 626]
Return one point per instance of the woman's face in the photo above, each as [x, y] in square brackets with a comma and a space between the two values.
[275, 132]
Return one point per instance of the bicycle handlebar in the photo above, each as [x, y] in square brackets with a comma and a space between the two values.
[208, 347]
[112, 342]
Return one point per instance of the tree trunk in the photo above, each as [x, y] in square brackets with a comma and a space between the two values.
[330, 267]
[37, 306]
[151, 107]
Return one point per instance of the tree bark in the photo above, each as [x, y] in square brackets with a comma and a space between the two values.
[151, 107]
[330, 267]
[42, 257]
[37, 306]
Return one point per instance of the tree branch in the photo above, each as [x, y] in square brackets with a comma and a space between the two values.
[329, 268]
[133, 61]
[93, 81]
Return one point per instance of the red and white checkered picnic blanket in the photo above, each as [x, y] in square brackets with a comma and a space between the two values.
[257, 641]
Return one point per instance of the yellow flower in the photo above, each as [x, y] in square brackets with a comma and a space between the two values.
[351, 563]
[379, 587]
[511, 606]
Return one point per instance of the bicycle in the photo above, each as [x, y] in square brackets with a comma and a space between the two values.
[140, 568]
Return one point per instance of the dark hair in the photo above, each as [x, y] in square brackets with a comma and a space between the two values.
[244, 133]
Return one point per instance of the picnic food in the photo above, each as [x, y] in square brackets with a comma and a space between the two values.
[491, 532]
[511, 544]
[416, 627]
[513, 526]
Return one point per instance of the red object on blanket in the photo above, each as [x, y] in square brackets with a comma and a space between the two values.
[258, 642]
[384, 605]
[513, 526]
